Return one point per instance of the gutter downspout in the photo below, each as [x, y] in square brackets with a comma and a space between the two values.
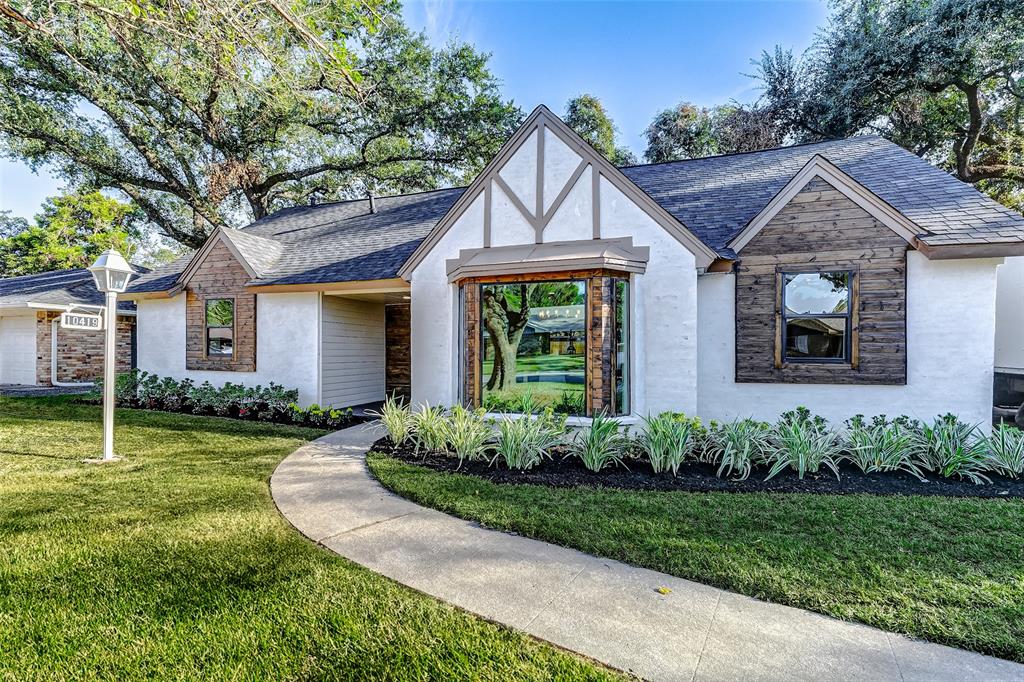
[54, 326]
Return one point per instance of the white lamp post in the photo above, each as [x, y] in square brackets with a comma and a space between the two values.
[111, 273]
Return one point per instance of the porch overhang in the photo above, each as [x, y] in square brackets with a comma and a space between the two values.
[596, 254]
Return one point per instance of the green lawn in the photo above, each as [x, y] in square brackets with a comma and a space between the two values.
[543, 392]
[175, 564]
[946, 570]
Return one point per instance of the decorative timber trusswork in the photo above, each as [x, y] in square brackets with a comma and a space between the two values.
[819, 230]
[220, 275]
[546, 188]
[599, 324]
[398, 381]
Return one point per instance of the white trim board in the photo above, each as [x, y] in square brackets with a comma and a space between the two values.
[820, 167]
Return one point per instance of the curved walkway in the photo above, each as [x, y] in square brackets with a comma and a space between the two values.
[604, 609]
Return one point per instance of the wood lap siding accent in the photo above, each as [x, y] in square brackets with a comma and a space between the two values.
[220, 276]
[397, 334]
[817, 231]
[353, 352]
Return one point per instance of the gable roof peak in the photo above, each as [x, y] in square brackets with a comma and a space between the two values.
[539, 120]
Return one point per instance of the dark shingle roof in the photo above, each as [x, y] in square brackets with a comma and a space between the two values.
[714, 197]
[57, 288]
[336, 242]
[717, 196]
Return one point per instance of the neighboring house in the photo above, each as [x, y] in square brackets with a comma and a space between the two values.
[848, 276]
[36, 351]
[1010, 334]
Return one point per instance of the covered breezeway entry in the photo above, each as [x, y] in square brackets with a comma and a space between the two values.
[365, 339]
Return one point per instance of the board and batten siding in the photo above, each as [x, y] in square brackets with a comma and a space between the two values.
[352, 352]
[820, 229]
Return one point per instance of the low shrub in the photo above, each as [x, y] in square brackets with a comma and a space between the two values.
[600, 444]
[803, 443]
[467, 433]
[1006, 450]
[524, 442]
[950, 447]
[396, 419]
[430, 428]
[882, 445]
[737, 446]
[570, 402]
[667, 441]
[264, 403]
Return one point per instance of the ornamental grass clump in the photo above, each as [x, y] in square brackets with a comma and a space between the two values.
[1006, 450]
[737, 446]
[882, 445]
[430, 428]
[804, 443]
[667, 441]
[524, 442]
[395, 419]
[950, 447]
[467, 434]
[600, 444]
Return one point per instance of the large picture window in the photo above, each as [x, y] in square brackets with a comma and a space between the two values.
[534, 346]
[220, 327]
[816, 316]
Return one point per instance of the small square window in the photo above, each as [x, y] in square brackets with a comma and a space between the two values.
[816, 316]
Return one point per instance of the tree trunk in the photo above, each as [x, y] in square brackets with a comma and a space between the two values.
[506, 327]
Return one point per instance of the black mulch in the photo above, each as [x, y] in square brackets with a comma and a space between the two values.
[695, 477]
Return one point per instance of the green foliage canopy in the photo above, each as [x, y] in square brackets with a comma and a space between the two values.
[941, 78]
[70, 232]
[213, 114]
[686, 131]
[587, 116]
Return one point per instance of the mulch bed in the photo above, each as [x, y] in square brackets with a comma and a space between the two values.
[696, 477]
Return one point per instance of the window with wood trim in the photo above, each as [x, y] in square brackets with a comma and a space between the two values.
[559, 340]
[816, 317]
[220, 327]
[534, 346]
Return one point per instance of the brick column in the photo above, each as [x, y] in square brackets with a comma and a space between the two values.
[471, 396]
[600, 340]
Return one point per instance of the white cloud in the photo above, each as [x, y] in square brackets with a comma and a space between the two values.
[441, 20]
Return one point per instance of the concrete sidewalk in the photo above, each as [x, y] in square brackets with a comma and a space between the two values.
[603, 609]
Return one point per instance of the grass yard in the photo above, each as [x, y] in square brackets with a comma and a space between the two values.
[542, 392]
[942, 569]
[175, 564]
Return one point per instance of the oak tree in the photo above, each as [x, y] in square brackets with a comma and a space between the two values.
[210, 114]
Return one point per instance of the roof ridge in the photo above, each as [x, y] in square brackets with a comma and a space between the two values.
[341, 202]
[766, 150]
[66, 271]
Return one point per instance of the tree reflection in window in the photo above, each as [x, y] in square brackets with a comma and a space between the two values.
[534, 345]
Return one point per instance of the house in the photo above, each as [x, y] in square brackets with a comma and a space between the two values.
[36, 351]
[849, 276]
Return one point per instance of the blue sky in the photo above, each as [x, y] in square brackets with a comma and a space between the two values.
[637, 57]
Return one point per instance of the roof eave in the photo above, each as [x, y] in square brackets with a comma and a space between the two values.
[970, 250]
